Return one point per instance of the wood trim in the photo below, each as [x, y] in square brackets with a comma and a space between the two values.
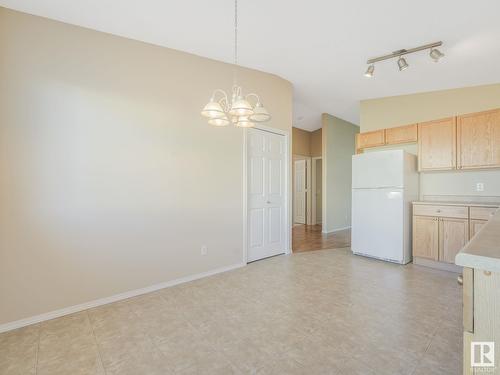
[468, 299]
[458, 137]
[454, 150]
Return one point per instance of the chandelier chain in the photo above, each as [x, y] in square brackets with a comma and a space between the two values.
[235, 32]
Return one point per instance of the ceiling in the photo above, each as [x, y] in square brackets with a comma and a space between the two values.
[321, 46]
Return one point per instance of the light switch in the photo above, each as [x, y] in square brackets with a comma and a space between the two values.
[479, 186]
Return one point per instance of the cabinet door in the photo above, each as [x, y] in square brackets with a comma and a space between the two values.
[437, 145]
[426, 237]
[475, 225]
[453, 235]
[479, 140]
[370, 139]
[401, 134]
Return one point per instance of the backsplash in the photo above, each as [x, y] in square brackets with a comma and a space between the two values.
[461, 198]
[461, 183]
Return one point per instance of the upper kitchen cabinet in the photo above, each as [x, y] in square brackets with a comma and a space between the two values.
[479, 140]
[401, 134]
[370, 139]
[437, 142]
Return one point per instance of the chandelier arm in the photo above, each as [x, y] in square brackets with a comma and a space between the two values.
[224, 103]
[220, 91]
[253, 95]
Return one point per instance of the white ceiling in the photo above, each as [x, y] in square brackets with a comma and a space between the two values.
[321, 46]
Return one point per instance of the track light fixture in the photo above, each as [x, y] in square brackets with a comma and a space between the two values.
[434, 53]
[402, 64]
[370, 70]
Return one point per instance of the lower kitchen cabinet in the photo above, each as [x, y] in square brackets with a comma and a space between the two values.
[453, 235]
[475, 226]
[426, 237]
[441, 230]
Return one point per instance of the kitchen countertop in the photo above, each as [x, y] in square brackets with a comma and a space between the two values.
[483, 250]
[457, 203]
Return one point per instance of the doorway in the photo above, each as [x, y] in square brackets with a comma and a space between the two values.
[316, 188]
[267, 193]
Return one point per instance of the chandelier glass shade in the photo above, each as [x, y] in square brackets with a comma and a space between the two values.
[240, 110]
[221, 111]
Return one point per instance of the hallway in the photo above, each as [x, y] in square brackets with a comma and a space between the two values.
[309, 237]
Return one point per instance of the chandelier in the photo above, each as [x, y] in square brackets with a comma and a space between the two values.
[221, 111]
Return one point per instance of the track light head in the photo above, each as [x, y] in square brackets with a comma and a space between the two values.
[435, 54]
[369, 71]
[402, 64]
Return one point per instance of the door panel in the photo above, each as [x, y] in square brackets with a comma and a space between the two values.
[378, 169]
[377, 223]
[257, 176]
[479, 140]
[475, 226]
[437, 145]
[453, 234]
[370, 139]
[266, 195]
[256, 234]
[300, 192]
[426, 237]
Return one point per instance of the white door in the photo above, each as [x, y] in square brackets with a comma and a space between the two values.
[299, 192]
[378, 169]
[266, 194]
[378, 223]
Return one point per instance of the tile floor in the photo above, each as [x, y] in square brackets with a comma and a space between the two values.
[321, 312]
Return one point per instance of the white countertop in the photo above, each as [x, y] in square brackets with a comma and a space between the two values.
[458, 203]
[483, 250]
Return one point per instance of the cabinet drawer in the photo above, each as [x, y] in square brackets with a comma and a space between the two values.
[482, 213]
[459, 212]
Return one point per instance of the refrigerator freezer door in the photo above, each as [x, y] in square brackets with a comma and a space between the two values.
[378, 169]
[377, 223]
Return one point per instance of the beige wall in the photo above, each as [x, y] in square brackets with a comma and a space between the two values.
[407, 109]
[306, 143]
[338, 148]
[316, 144]
[301, 142]
[109, 178]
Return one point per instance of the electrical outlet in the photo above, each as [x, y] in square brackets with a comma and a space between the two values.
[480, 186]
[204, 250]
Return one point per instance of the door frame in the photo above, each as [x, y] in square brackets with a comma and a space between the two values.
[288, 195]
[314, 171]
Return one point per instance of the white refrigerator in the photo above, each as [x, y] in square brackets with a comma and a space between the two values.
[384, 183]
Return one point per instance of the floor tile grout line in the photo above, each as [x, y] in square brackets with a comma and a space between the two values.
[37, 348]
[96, 342]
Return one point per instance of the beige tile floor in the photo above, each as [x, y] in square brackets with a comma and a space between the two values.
[322, 312]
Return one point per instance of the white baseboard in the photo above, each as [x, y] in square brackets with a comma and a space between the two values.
[117, 297]
[335, 230]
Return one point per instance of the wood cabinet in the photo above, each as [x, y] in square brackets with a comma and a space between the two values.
[401, 134]
[464, 142]
[453, 235]
[479, 140]
[441, 230]
[426, 237]
[475, 226]
[370, 139]
[437, 145]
